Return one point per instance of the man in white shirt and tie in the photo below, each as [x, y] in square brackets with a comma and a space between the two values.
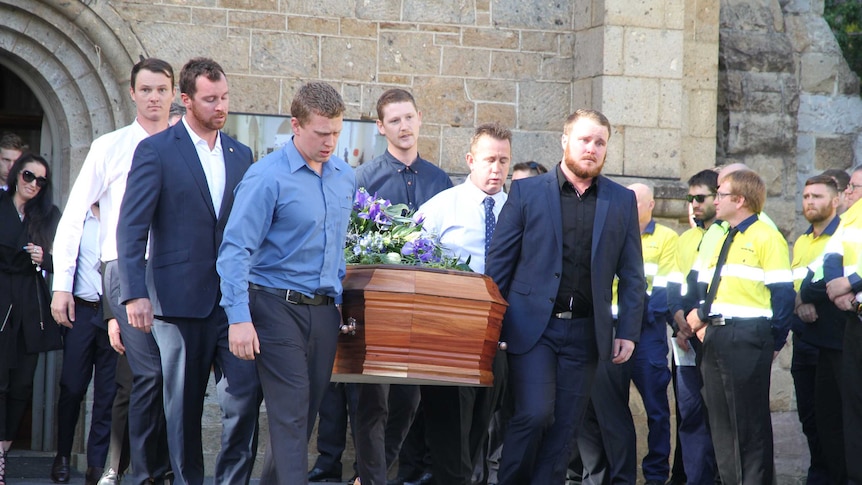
[464, 217]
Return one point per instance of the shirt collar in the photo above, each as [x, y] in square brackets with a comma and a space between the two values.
[197, 140]
[477, 196]
[830, 228]
[742, 226]
[650, 227]
[296, 161]
[400, 166]
[562, 181]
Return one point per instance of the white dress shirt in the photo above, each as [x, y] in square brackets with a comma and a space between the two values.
[102, 178]
[88, 280]
[212, 161]
[457, 216]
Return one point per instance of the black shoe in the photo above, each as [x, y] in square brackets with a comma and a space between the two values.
[426, 479]
[93, 475]
[60, 470]
[321, 475]
[110, 477]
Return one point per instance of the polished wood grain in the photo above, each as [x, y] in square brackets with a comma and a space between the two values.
[419, 326]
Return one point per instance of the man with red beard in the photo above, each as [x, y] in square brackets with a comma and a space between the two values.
[181, 190]
[559, 240]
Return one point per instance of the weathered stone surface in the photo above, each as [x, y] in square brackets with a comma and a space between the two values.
[583, 15]
[351, 94]
[586, 44]
[439, 11]
[533, 14]
[649, 151]
[582, 93]
[760, 133]
[636, 13]
[763, 92]
[541, 147]
[233, 53]
[258, 20]
[653, 53]
[838, 114]
[700, 69]
[343, 8]
[253, 94]
[757, 52]
[358, 28]
[447, 104]
[490, 38]
[378, 10]
[506, 114]
[258, 5]
[834, 152]
[496, 91]
[750, 15]
[700, 114]
[772, 169]
[558, 69]
[547, 42]
[429, 146]
[408, 53]
[208, 16]
[312, 25]
[514, 65]
[348, 59]
[543, 105]
[285, 54]
[670, 104]
[165, 13]
[398, 79]
[455, 143]
[447, 39]
[631, 101]
[702, 20]
[697, 154]
[473, 63]
[615, 159]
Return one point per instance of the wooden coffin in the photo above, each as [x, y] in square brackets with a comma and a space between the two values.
[419, 326]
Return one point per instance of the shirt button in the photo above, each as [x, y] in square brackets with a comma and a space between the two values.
[550, 300]
[556, 275]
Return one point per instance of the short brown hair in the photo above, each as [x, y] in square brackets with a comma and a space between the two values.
[590, 114]
[318, 98]
[153, 65]
[823, 179]
[394, 95]
[748, 184]
[11, 141]
[494, 130]
[199, 66]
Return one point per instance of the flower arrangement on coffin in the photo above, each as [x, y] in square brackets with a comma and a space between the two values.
[411, 319]
[380, 232]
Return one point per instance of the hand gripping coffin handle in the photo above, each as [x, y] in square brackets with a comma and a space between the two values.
[349, 328]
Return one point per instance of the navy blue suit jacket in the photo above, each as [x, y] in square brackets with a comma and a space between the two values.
[167, 193]
[525, 259]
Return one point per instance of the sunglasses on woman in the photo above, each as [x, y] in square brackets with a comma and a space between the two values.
[28, 177]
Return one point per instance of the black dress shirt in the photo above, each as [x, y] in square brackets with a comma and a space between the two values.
[390, 179]
[579, 212]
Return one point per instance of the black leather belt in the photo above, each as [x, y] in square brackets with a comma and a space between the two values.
[293, 296]
[90, 304]
[719, 320]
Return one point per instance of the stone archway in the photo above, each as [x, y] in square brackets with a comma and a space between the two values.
[76, 64]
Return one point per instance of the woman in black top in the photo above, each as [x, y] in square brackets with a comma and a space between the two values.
[28, 220]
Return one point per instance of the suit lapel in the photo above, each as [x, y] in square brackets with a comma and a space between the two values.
[603, 204]
[553, 192]
[189, 154]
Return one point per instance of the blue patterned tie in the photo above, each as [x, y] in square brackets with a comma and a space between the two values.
[490, 222]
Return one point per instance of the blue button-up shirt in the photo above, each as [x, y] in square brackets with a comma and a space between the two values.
[390, 179]
[286, 229]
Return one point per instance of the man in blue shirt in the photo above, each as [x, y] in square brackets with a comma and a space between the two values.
[281, 264]
[403, 177]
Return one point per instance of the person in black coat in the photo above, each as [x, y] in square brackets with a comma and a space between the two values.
[28, 220]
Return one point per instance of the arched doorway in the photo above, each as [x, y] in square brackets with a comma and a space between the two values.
[58, 69]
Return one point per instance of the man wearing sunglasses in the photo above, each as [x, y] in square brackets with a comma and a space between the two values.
[102, 181]
[694, 442]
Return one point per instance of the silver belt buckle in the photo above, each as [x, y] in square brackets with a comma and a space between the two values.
[717, 320]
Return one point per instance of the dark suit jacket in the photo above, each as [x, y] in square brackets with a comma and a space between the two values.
[525, 259]
[167, 192]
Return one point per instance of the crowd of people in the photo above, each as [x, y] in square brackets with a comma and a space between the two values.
[177, 256]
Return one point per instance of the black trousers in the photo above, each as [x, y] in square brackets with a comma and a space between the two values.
[851, 398]
[383, 417]
[118, 451]
[803, 369]
[338, 406]
[16, 388]
[87, 355]
[297, 349]
[737, 358]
